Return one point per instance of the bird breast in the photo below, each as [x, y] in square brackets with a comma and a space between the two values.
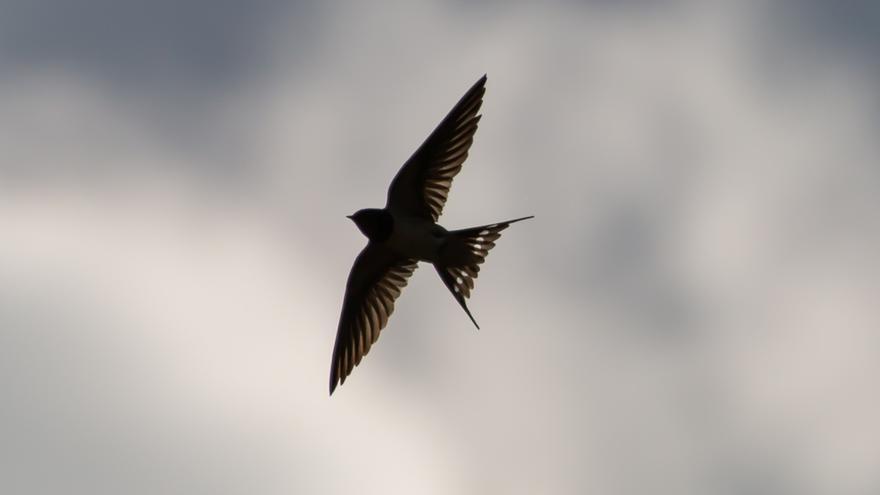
[416, 238]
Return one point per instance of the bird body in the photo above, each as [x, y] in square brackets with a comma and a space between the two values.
[417, 238]
[405, 235]
[406, 232]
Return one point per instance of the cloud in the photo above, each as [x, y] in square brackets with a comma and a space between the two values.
[690, 312]
[163, 43]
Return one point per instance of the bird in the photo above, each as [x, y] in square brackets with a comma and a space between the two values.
[405, 232]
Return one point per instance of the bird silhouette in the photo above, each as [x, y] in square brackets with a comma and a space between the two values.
[405, 232]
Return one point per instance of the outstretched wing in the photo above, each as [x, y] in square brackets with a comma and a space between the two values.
[376, 279]
[422, 184]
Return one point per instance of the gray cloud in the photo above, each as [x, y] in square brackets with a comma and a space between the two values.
[162, 43]
[690, 312]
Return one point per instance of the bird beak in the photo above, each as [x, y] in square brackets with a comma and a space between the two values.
[350, 216]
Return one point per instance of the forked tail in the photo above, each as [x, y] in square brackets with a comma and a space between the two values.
[462, 256]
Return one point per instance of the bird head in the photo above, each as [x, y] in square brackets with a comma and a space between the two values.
[374, 223]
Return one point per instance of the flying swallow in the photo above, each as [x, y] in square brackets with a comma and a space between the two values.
[406, 232]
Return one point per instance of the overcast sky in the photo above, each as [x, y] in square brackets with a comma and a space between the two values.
[692, 311]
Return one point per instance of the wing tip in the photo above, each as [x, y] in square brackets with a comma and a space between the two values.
[333, 382]
[478, 87]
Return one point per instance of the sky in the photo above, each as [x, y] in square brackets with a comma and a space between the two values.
[693, 310]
